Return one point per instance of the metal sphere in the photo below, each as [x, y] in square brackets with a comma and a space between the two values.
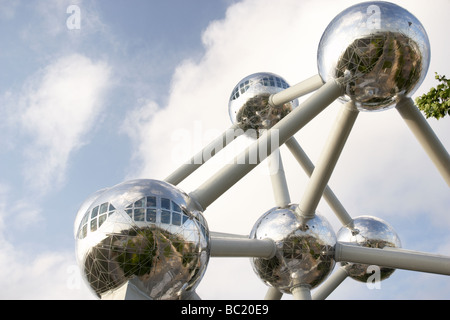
[369, 232]
[380, 50]
[249, 106]
[305, 249]
[142, 231]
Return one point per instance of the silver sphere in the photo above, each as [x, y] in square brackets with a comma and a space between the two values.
[369, 232]
[305, 249]
[142, 231]
[380, 50]
[249, 106]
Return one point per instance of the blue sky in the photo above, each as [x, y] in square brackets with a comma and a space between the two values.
[142, 85]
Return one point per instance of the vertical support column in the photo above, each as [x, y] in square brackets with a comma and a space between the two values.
[426, 136]
[327, 161]
[282, 199]
[278, 179]
[301, 292]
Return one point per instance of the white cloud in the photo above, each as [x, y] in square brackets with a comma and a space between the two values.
[47, 120]
[56, 109]
[45, 28]
[29, 274]
[60, 106]
[42, 276]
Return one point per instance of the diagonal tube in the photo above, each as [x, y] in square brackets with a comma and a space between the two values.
[330, 284]
[300, 89]
[204, 155]
[426, 136]
[273, 294]
[327, 161]
[219, 183]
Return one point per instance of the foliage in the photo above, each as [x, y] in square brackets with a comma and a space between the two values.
[436, 103]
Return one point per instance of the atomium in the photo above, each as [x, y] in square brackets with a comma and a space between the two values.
[249, 105]
[142, 231]
[369, 232]
[372, 56]
[380, 50]
[304, 254]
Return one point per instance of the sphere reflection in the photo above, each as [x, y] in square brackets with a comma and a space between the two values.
[369, 232]
[249, 106]
[305, 249]
[141, 230]
[380, 50]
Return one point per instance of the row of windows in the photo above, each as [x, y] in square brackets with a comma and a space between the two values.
[147, 209]
[155, 202]
[268, 81]
[157, 216]
[97, 216]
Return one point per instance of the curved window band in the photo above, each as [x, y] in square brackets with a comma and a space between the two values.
[147, 209]
[268, 81]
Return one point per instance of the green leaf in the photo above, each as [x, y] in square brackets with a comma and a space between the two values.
[436, 102]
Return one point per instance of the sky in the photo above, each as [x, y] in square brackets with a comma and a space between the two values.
[129, 90]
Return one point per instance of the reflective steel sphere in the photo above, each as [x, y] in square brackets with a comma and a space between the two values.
[305, 249]
[141, 230]
[380, 50]
[369, 232]
[249, 103]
